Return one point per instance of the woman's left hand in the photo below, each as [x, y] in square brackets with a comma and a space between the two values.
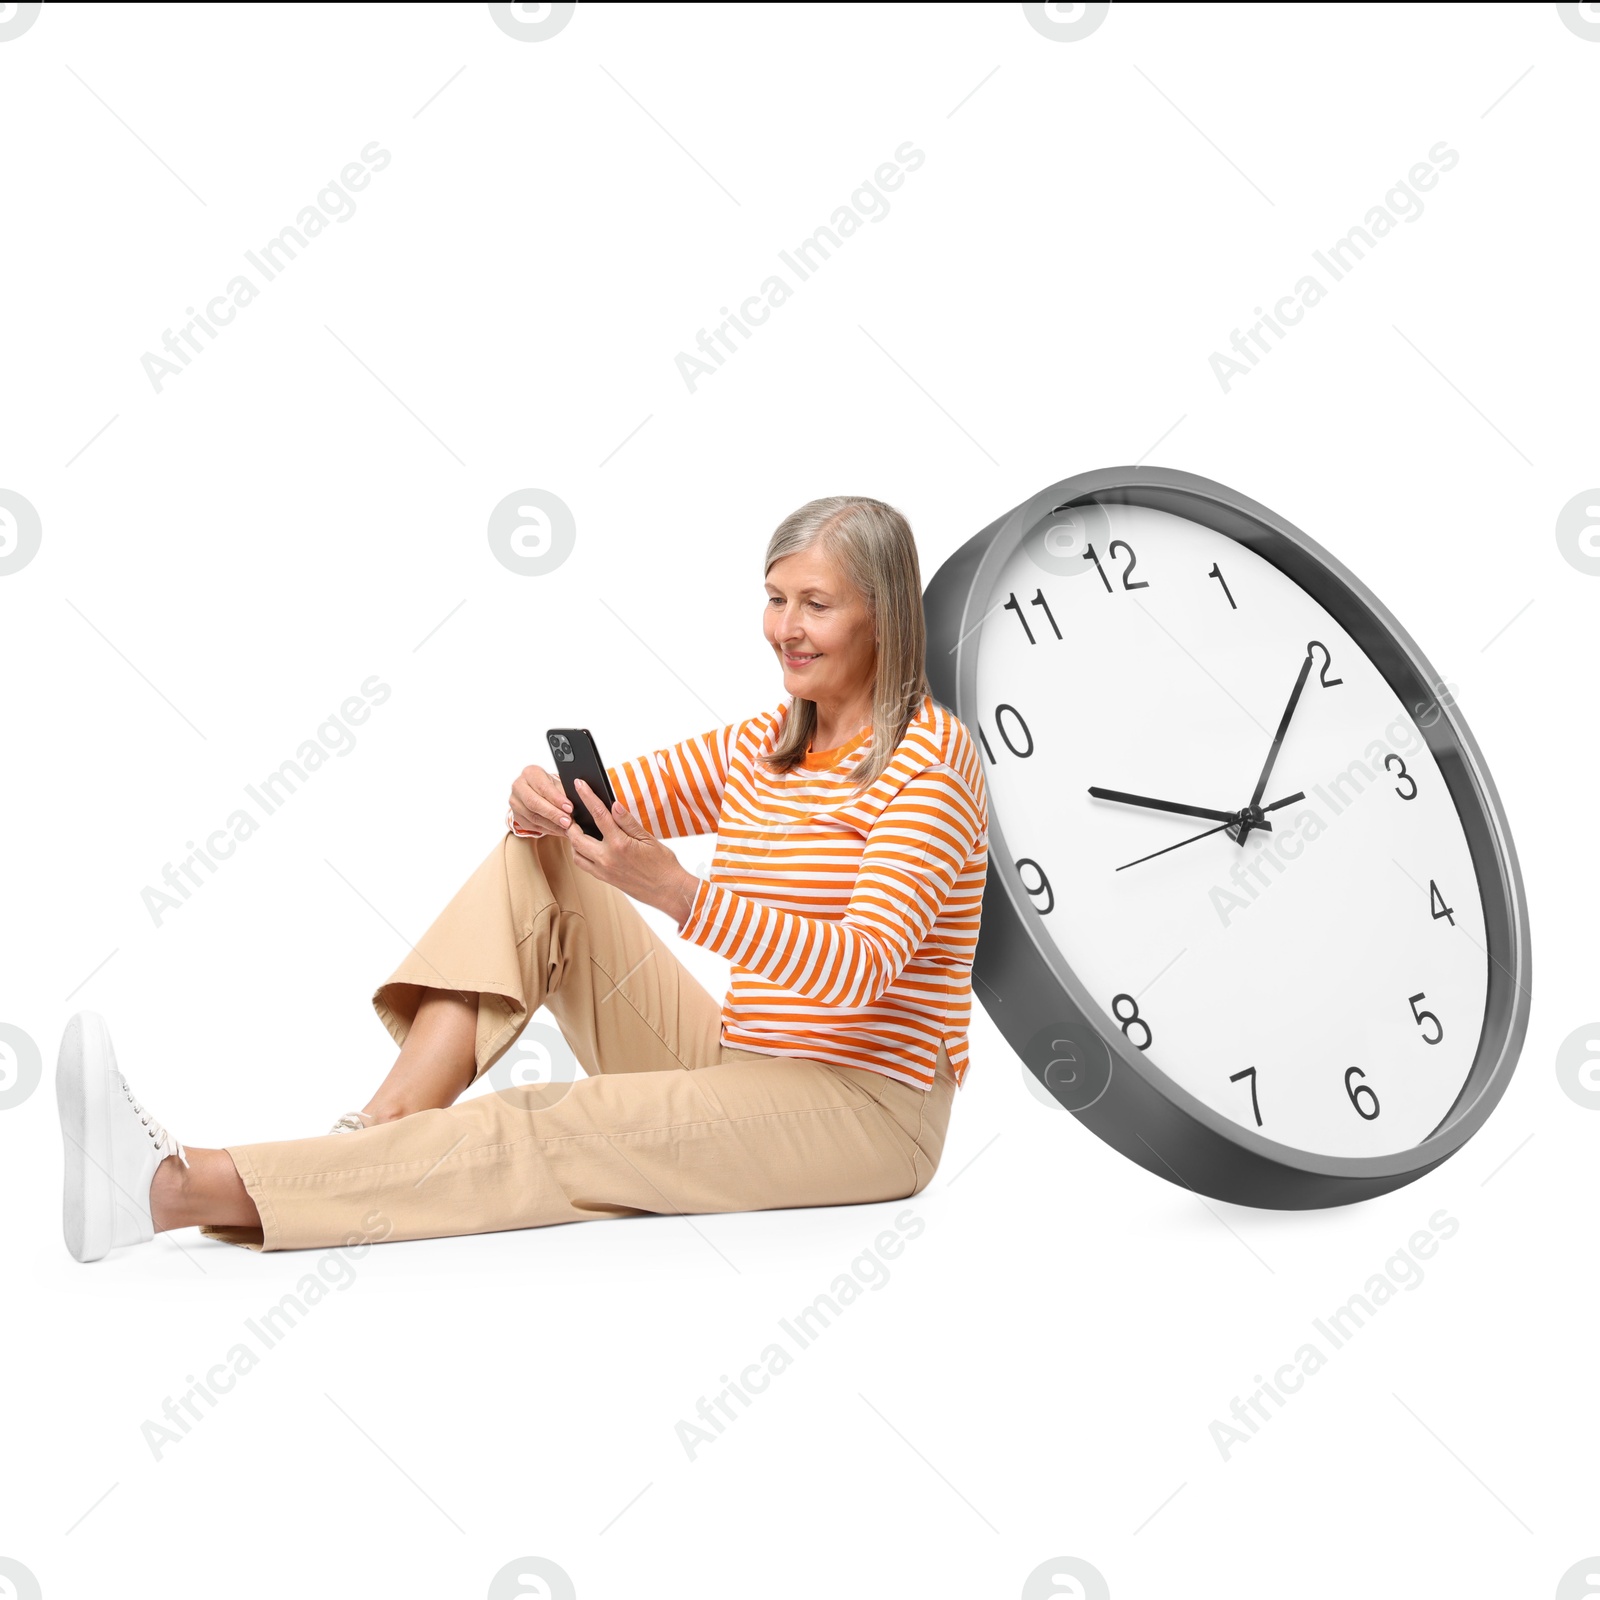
[631, 859]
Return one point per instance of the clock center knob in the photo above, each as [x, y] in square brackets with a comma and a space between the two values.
[1245, 819]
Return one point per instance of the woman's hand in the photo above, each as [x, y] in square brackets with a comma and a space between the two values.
[539, 805]
[630, 859]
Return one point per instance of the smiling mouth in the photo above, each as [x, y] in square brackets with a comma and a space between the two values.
[799, 661]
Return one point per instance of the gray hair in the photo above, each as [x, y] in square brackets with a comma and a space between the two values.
[872, 545]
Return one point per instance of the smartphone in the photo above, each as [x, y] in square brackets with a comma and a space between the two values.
[576, 756]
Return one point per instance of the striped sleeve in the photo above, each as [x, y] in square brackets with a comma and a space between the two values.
[912, 856]
[676, 792]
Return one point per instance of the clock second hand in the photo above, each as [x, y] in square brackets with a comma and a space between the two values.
[1276, 805]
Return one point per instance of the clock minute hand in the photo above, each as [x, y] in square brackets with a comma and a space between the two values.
[1253, 810]
[1160, 805]
[1283, 728]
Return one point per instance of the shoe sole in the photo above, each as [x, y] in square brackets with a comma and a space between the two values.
[82, 1076]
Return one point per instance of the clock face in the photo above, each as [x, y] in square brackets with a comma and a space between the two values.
[1323, 983]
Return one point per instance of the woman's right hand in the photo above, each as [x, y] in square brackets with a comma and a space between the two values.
[539, 805]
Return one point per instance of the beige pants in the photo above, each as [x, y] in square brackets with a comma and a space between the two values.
[667, 1121]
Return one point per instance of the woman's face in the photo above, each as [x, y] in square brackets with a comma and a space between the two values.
[812, 611]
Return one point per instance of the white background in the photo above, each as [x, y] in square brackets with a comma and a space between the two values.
[224, 562]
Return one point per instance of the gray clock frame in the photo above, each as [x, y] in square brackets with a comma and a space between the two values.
[1075, 1047]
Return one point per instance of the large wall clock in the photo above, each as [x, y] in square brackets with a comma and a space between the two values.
[1253, 911]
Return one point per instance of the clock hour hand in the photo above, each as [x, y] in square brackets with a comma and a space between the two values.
[1233, 823]
[1161, 805]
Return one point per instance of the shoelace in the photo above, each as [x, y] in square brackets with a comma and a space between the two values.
[165, 1144]
[350, 1122]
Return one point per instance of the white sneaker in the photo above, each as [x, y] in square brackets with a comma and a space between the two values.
[351, 1122]
[112, 1144]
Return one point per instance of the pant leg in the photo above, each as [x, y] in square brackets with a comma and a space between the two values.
[921, 1115]
[670, 1120]
[530, 928]
[749, 1134]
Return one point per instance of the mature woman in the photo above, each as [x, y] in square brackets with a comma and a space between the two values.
[852, 844]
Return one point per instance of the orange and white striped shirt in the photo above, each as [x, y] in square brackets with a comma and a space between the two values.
[850, 922]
